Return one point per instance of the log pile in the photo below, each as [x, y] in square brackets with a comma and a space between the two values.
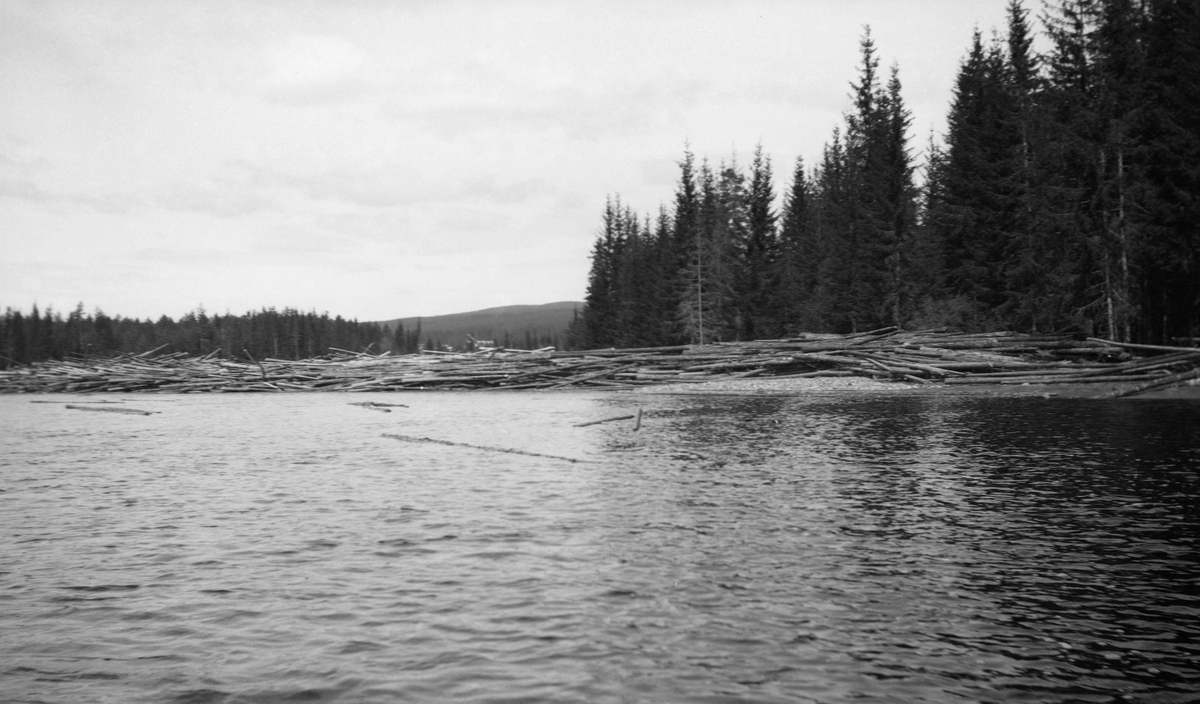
[890, 354]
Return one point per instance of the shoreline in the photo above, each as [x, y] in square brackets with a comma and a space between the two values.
[888, 360]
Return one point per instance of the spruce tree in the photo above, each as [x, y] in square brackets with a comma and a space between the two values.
[976, 210]
[833, 195]
[1068, 177]
[877, 205]
[681, 254]
[637, 285]
[727, 234]
[699, 305]
[1170, 132]
[795, 268]
[1042, 264]
[863, 139]
[601, 303]
[894, 207]
[757, 282]
[926, 265]
[663, 290]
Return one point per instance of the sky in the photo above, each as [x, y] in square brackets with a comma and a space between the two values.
[397, 158]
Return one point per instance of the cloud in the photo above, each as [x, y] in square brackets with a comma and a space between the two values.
[576, 112]
[310, 69]
[224, 201]
[660, 170]
[18, 155]
[476, 221]
[30, 192]
[300, 245]
[173, 255]
[21, 188]
[384, 188]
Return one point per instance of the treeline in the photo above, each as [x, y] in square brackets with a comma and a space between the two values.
[287, 334]
[1065, 196]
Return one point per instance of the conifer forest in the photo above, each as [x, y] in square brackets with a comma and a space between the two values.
[1064, 196]
[288, 334]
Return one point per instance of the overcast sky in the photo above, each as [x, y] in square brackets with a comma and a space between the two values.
[385, 159]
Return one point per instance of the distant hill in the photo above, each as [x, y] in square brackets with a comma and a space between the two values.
[527, 327]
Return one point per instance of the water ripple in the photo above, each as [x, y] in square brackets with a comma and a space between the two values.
[822, 549]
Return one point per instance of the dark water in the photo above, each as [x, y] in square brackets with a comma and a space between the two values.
[822, 549]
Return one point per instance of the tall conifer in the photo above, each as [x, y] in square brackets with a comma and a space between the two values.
[757, 281]
[796, 267]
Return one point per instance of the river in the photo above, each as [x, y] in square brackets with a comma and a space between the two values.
[822, 548]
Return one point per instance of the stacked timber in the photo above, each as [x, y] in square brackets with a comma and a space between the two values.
[889, 354]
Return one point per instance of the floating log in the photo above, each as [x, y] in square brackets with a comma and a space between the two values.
[130, 411]
[69, 403]
[486, 448]
[604, 420]
[1172, 380]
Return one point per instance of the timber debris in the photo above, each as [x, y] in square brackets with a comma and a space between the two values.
[888, 354]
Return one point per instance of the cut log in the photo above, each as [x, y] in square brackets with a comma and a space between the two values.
[1132, 346]
[602, 420]
[486, 448]
[129, 411]
[1172, 380]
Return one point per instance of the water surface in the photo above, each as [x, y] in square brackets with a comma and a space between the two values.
[244, 548]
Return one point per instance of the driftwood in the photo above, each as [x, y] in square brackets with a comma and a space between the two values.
[376, 406]
[887, 354]
[91, 403]
[1165, 381]
[603, 420]
[505, 450]
[130, 411]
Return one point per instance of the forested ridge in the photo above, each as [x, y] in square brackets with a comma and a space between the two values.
[1064, 196]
